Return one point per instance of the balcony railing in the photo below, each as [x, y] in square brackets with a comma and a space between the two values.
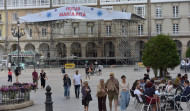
[82, 2]
[177, 33]
[19, 4]
[104, 2]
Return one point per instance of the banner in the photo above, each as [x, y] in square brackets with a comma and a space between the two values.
[75, 12]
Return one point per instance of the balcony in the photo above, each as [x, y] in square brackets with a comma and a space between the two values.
[108, 2]
[23, 4]
[79, 2]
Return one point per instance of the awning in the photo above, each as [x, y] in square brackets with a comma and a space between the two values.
[76, 12]
[22, 54]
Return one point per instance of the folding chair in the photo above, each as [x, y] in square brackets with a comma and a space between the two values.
[145, 104]
[133, 95]
[138, 101]
[187, 101]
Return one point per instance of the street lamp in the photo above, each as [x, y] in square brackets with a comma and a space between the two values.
[17, 32]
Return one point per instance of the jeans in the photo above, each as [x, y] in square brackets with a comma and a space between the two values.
[125, 98]
[67, 91]
[77, 90]
[10, 78]
[102, 103]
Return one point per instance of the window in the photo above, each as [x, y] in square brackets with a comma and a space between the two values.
[124, 10]
[123, 30]
[0, 32]
[140, 29]
[140, 10]
[44, 32]
[108, 7]
[108, 30]
[175, 29]
[75, 31]
[15, 17]
[175, 11]
[158, 28]
[158, 12]
[30, 32]
[0, 18]
[91, 30]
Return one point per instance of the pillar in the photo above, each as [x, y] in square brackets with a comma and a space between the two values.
[184, 49]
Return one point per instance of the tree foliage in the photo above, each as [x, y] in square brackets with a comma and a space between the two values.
[161, 53]
[188, 52]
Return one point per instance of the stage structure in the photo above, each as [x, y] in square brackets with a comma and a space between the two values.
[78, 34]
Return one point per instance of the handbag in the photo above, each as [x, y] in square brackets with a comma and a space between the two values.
[89, 97]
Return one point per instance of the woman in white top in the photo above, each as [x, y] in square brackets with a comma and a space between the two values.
[138, 92]
[124, 93]
[169, 87]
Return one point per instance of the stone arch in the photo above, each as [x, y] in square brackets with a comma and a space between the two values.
[14, 47]
[188, 44]
[139, 48]
[29, 47]
[179, 47]
[44, 48]
[76, 49]
[124, 49]
[109, 49]
[91, 49]
[61, 50]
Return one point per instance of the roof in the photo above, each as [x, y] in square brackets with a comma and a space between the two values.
[75, 12]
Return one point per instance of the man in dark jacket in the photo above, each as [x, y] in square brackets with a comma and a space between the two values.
[184, 96]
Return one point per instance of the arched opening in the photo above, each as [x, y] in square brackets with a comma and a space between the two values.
[124, 49]
[109, 49]
[44, 48]
[91, 49]
[139, 48]
[61, 50]
[76, 49]
[14, 47]
[179, 47]
[188, 44]
[29, 47]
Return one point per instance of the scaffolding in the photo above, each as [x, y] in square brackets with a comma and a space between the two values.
[107, 42]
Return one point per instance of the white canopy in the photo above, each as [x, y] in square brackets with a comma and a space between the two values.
[76, 12]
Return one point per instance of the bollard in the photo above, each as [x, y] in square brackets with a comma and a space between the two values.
[48, 103]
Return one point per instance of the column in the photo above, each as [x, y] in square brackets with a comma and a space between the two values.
[83, 49]
[183, 52]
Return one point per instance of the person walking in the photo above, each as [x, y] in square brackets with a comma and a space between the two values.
[86, 96]
[77, 82]
[100, 67]
[9, 75]
[87, 70]
[35, 77]
[43, 78]
[67, 85]
[63, 71]
[17, 73]
[112, 86]
[101, 94]
[124, 93]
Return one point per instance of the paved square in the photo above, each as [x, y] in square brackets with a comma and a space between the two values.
[56, 83]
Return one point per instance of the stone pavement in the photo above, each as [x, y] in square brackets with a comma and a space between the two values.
[56, 83]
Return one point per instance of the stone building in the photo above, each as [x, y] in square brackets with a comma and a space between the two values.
[80, 39]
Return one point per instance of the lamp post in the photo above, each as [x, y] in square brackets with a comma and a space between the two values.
[17, 32]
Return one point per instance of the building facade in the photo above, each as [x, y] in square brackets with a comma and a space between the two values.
[167, 17]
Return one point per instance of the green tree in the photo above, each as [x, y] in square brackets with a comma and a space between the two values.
[160, 53]
[188, 52]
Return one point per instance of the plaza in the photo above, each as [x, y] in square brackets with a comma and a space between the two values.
[61, 103]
